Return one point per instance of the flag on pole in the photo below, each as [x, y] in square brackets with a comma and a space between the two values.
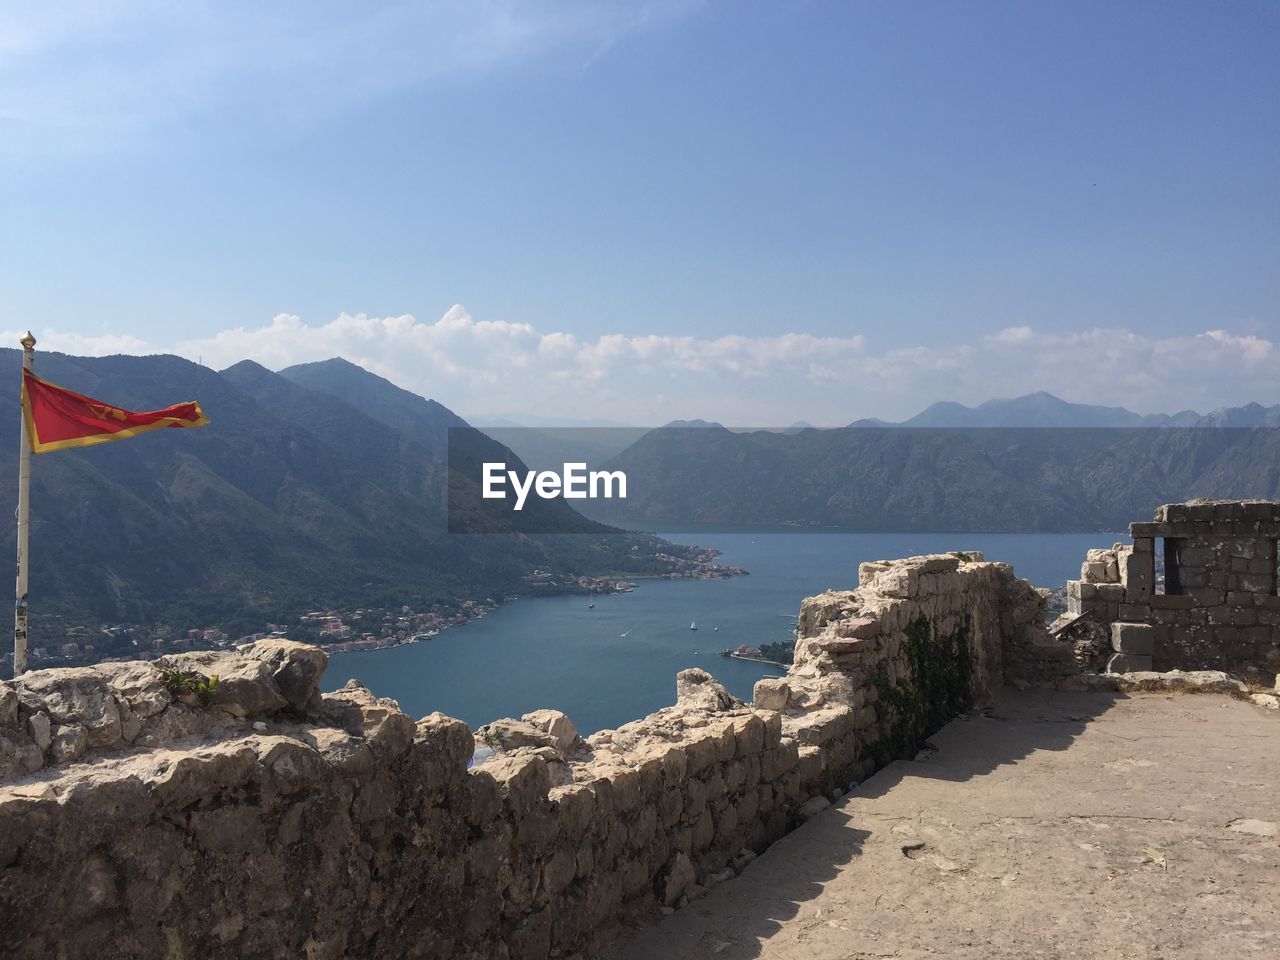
[57, 418]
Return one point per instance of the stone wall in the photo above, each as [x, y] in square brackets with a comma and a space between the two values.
[1217, 608]
[146, 816]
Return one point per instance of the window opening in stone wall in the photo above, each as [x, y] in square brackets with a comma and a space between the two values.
[1168, 566]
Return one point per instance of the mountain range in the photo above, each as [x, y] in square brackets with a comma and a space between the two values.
[1045, 410]
[547, 443]
[323, 485]
[989, 473]
[318, 486]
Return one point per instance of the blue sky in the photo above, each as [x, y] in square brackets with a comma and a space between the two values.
[749, 212]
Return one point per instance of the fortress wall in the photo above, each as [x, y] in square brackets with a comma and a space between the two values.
[1217, 606]
[261, 819]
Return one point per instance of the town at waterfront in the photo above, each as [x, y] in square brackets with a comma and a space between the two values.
[348, 630]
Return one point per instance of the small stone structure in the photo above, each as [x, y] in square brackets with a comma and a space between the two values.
[1215, 609]
[259, 818]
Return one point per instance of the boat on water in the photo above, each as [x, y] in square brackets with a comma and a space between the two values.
[590, 605]
[693, 626]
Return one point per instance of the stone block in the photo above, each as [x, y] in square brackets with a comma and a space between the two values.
[556, 725]
[698, 690]
[1260, 510]
[1127, 663]
[296, 668]
[1206, 596]
[772, 729]
[771, 693]
[748, 735]
[1200, 510]
[860, 628]
[1257, 584]
[1110, 592]
[1133, 638]
[1135, 611]
[1136, 575]
[1243, 616]
[899, 581]
[1195, 556]
[869, 571]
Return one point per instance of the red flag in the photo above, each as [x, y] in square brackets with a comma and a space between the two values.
[58, 418]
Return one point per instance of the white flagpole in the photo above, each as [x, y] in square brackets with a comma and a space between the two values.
[24, 520]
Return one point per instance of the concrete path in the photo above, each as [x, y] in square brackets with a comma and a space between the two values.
[1066, 825]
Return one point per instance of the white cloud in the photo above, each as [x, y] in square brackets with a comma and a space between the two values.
[82, 345]
[493, 366]
[1013, 335]
[1250, 348]
[489, 366]
[497, 367]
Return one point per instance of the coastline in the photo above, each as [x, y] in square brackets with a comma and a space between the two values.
[599, 587]
[773, 663]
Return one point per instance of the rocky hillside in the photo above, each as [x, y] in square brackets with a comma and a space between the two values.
[322, 488]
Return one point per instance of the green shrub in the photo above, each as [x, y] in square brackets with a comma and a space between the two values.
[185, 682]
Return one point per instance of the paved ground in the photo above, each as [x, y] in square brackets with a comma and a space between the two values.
[1066, 825]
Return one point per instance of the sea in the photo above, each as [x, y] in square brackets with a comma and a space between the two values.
[616, 660]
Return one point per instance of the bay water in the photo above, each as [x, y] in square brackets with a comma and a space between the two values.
[617, 660]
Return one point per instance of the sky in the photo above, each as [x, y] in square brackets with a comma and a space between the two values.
[755, 213]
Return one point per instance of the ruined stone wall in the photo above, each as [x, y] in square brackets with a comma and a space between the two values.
[139, 818]
[1218, 609]
[920, 639]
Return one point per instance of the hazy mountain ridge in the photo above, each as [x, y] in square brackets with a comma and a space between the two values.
[930, 479]
[1045, 410]
[291, 498]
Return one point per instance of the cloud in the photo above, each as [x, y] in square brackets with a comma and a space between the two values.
[1251, 349]
[82, 345]
[1013, 335]
[88, 71]
[497, 366]
[491, 366]
[500, 367]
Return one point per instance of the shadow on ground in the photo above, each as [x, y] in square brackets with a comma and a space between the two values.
[972, 746]
[1038, 723]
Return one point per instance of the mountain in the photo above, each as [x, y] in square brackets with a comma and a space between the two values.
[324, 488]
[457, 448]
[1034, 410]
[531, 420]
[1045, 410]
[1250, 415]
[935, 479]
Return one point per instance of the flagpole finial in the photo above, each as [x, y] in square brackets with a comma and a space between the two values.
[28, 342]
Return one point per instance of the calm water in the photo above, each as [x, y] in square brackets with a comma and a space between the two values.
[555, 652]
